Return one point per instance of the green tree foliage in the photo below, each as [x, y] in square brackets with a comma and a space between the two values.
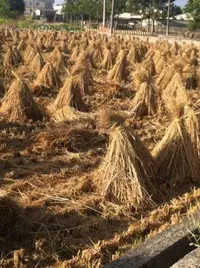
[145, 7]
[193, 8]
[11, 8]
[91, 8]
[94, 8]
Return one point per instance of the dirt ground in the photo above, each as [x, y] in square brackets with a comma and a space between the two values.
[51, 213]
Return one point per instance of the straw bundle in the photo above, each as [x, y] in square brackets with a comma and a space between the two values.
[18, 103]
[175, 90]
[75, 54]
[58, 62]
[95, 54]
[29, 49]
[175, 155]
[107, 62]
[165, 77]
[73, 139]
[32, 53]
[119, 71]
[71, 44]
[37, 64]
[71, 115]
[2, 89]
[11, 58]
[191, 120]
[49, 44]
[63, 47]
[21, 46]
[174, 49]
[107, 117]
[133, 55]
[83, 60]
[127, 171]
[138, 77]
[190, 77]
[47, 80]
[84, 78]
[70, 95]
[149, 65]
[160, 65]
[146, 100]
[40, 43]
[55, 53]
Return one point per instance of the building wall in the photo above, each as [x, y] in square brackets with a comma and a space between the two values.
[37, 4]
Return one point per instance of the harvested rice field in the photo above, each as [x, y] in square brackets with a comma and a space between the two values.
[99, 144]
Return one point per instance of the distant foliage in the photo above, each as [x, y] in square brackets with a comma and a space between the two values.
[91, 9]
[193, 8]
[11, 8]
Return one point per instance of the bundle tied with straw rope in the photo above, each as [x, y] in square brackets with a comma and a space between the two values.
[189, 75]
[139, 76]
[37, 64]
[149, 65]
[119, 71]
[191, 119]
[47, 80]
[127, 174]
[31, 55]
[107, 117]
[71, 115]
[69, 95]
[65, 137]
[2, 88]
[21, 46]
[74, 54]
[18, 103]
[94, 50]
[107, 62]
[146, 100]
[83, 60]
[165, 77]
[175, 90]
[176, 155]
[58, 61]
[134, 55]
[11, 58]
[84, 78]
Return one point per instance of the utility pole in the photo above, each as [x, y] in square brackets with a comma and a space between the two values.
[104, 13]
[168, 15]
[112, 16]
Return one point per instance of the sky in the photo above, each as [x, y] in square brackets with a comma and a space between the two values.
[181, 2]
[178, 2]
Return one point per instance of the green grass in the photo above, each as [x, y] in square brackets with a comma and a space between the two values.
[28, 23]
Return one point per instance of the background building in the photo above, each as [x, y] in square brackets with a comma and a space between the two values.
[32, 5]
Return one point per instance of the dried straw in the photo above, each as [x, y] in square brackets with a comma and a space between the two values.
[146, 100]
[47, 80]
[18, 103]
[70, 95]
[127, 171]
[175, 154]
[37, 64]
[119, 71]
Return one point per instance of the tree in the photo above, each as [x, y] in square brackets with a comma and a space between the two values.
[93, 9]
[11, 8]
[193, 8]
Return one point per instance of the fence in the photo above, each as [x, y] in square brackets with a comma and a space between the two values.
[174, 31]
